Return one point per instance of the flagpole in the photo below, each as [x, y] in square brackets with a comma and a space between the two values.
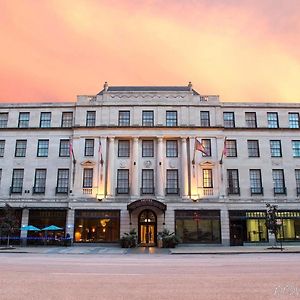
[98, 167]
[193, 161]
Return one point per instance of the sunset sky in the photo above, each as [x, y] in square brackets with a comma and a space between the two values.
[242, 50]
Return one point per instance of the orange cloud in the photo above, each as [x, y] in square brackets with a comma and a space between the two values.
[54, 50]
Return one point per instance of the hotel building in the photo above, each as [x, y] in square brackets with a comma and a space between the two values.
[125, 158]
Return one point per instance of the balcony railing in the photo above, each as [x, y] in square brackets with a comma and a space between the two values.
[87, 191]
[279, 190]
[256, 191]
[122, 190]
[208, 191]
[15, 190]
[62, 190]
[38, 190]
[233, 190]
[172, 191]
[147, 191]
[298, 191]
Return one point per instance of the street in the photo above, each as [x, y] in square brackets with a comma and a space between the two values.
[145, 276]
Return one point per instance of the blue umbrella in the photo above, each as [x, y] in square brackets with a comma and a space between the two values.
[52, 227]
[30, 228]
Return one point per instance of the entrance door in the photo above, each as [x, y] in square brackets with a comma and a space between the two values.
[147, 228]
[236, 233]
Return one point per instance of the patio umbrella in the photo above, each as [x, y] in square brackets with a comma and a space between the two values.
[30, 228]
[52, 227]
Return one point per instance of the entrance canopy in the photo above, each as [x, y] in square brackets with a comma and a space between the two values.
[146, 203]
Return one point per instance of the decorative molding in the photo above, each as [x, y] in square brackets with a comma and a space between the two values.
[123, 164]
[88, 163]
[147, 163]
[207, 164]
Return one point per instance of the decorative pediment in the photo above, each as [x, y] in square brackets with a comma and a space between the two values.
[207, 164]
[88, 163]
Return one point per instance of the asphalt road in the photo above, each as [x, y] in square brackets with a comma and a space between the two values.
[57, 276]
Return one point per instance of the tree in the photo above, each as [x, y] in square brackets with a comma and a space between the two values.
[9, 222]
[271, 220]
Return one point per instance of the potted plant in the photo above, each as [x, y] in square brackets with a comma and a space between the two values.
[169, 240]
[129, 240]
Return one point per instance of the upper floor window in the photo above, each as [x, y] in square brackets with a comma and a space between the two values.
[294, 120]
[255, 182]
[207, 178]
[23, 119]
[172, 182]
[0, 176]
[273, 120]
[147, 181]
[3, 120]
[250, 118]
[207, 146]
[123, 181]
[87, 178]
[297, 177]
[17, 181]
[148, 117]
[40, 181]
[278, 181]
[228, 118]
[204, 119]
[20, 150]
[67, 119]
[233, 181]
[171, 148]
[45, 119]
[171, 118]
[62, 181]
[253, 148]
[90, 118]
[275, 147]
[296, 148]
[123, 148]
[2, 147]
[89, 147]
[64, 148]
[124, 118]
[42, 149]
[147, 148]
[231, 150]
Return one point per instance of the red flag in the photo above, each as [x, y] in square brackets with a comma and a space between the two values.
[100, 153]
[224, 152]
[199, 147]
[71, 147]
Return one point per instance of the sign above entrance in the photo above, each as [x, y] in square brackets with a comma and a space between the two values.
[146, 203]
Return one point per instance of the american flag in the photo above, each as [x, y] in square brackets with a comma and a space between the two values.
[199, 147]
[100, 152]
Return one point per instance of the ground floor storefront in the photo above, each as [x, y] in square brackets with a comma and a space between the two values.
[192, 223]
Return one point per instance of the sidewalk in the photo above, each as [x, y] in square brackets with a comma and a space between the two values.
[181, 250]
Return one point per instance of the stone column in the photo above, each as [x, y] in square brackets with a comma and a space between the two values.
[225, 228]
[184, 168]
[160, 169]
[135, 168]
[24, 222]
[111, 168]
[70, 222]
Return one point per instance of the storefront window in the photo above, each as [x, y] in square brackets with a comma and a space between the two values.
[15, 215]
[97, 226]
[198, 226]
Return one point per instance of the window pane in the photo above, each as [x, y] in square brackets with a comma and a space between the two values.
[67, 119]
[40, 181]
[148, 118]
[90, 118]
[147, 181]
[231, 148]
[172, 182]
[45, 120]
[17, 181]
[64, 148]
[123, 181]
[2, 147]
[233, 181]
[293, 120]
[171, 148]
[253, 148]
[124, 118]
[204, 119]
[20, 150]
[272, 120]
[23, 120]
[171, 117]
[207, 178]
[62, 181]
[147, 148]
[278, 181]
[3, 120]
[43, 148]
[250, 118]
[228, 119]
[87, 178]
[207, 146]
[255, 181]
[89, 147]
[275, 147]
[296, 148]
[123, 148]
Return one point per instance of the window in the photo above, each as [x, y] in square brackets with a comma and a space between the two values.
[20, 150]
[123, 148]
[297, 177]
[2, 147]
[90, 118]
[273, 120]
[228, 118]
[204, 119]
[172, 182]
[147, 148]
[17, 181]
[23, 120]
[67, 119]
[171, 118]
[255, 182]
[233, 181]
[148, 117]
[293, 120]
[231, 148]
[124, 118]
[275, 147]
[250, 118]
[207, 146]
[123, 181]
[296, 148]
[253, 148]
[42, 150]
[39, 181]
[207, 178]
[3, 120]
[0, 176]
[62, 181]
[64, 148]
[89, 147]
[87, 178]
[278, 181]
[45, 120]
[147, 181]
[171, 148]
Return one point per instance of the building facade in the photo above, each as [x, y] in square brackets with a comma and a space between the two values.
[151, 158]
